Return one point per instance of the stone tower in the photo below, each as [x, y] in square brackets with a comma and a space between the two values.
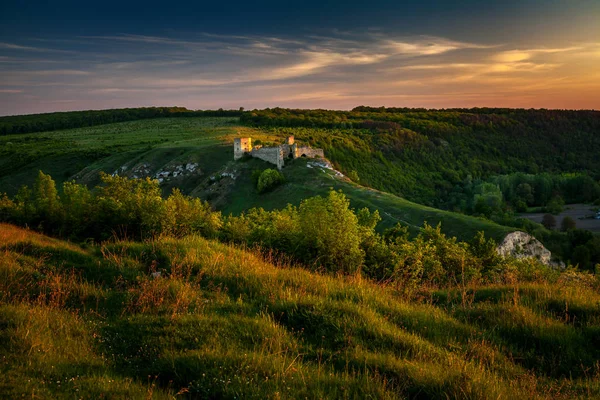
[241, 146]
[289, 140]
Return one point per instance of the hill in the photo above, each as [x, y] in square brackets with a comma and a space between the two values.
[224, 322]
[444, 158]
[185, 153]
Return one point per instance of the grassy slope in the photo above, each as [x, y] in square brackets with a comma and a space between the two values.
[302, 182]
[224, 322]
[81, 153]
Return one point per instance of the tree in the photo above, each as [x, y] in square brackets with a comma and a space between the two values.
[549, 221]
[45, 199]
[129, 207]
[7, 207]
[76, 199]
[353, 175]
[331, 233]
[555, 205]
[567, 224]
[525, 192]
[185, 215]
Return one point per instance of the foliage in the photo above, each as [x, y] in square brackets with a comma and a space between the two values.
[555, 205]
[268, 180]
[330, 233]
[118, 207]
[438, 157]
[323, 232]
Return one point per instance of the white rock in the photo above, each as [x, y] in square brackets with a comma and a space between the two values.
[523, 245]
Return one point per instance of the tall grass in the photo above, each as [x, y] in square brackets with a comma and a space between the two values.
[192, 318]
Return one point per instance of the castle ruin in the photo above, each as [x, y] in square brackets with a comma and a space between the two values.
[274, 155]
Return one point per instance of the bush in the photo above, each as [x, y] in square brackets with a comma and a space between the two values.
[567, 224]
[269, 179]
[549, 221]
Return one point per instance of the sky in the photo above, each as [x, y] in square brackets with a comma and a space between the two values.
[75, 55]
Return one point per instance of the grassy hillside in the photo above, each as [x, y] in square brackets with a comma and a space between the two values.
[304, 178]
[223, 322]
[81, 153]
[149, 147]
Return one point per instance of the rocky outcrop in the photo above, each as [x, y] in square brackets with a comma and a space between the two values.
[522, 245]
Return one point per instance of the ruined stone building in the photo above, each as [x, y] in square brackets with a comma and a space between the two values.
[274, 155]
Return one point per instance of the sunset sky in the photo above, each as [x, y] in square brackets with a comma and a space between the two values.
[57, 56]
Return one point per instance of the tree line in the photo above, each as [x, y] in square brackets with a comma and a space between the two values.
[79, 119]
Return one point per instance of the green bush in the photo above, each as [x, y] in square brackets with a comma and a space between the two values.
[268, 180]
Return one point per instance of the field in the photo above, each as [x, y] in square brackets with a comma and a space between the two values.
[154, 146]
[224, 322]
[81, 153]
[583, 214]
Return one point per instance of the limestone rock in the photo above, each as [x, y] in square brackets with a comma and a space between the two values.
[523, 245]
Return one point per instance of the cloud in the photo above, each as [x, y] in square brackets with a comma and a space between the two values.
[54, 72]
[12, 46]
[427, 46]
[11, 91]
[209, 70]
[522, 55]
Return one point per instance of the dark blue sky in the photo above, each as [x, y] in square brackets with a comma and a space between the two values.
[436, 17]
[63, 55]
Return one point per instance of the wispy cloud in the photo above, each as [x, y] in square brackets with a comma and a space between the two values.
[522, 55]
[13, 46]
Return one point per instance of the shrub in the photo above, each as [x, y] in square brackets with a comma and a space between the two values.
[330, 233]
[269, 179]
[549, 221]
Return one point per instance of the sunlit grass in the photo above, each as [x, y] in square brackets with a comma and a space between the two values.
[194, 318]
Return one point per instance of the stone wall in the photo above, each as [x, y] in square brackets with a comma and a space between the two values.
[272, 155]
[306, 151]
